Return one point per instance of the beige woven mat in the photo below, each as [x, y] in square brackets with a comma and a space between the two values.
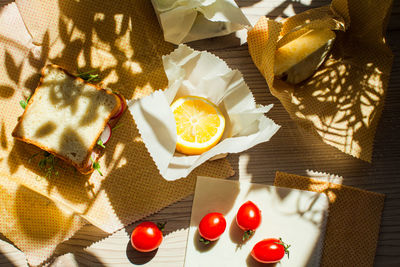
[123, 42]
[353, 222]
[342, 102]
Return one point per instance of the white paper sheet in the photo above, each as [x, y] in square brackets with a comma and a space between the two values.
[189, 20]
[298, 217]
[203, 74]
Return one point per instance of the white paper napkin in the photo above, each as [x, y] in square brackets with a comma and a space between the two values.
[189, 20]
[191, 72]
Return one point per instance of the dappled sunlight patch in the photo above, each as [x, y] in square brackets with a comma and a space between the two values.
[244, 159]
[145, 90]
[118, 160]
[323, 188]
[132, 67]
[138, 139]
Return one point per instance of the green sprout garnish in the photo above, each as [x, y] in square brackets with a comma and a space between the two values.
[89, 76]
[24, 103]
[96, 166]
[100, 143]
[47, 164]
[116, 126]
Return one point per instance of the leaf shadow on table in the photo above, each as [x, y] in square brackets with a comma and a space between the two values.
[295, 151]
[230, 41]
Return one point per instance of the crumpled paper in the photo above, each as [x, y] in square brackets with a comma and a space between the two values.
[189, 20]
[191, 72]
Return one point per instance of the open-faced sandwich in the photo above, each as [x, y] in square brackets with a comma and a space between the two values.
[69, 118]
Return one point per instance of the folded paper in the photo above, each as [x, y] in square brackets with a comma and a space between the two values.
[191, 72]
[189, 20]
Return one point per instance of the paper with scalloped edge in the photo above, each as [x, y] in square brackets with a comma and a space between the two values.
[189, 20]
[191, 72]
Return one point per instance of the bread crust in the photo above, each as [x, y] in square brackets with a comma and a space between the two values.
[84, 167]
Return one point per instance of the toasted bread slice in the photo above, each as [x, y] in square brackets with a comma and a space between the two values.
[66, 115]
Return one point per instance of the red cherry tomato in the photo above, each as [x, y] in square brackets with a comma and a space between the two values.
[212, 226]
[248, 218]
[146, 237]
[270, 250]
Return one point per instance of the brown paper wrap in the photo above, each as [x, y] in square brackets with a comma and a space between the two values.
[122, 41]
[353, 223]
[342, 102]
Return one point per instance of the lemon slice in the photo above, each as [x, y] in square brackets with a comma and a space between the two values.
[199, 124]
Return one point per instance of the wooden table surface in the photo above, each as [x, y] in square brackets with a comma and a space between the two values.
[290, 150]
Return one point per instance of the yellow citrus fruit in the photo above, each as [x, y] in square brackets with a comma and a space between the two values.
[199, 124]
